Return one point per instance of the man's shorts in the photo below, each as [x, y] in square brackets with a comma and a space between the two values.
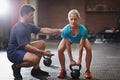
[17, 56]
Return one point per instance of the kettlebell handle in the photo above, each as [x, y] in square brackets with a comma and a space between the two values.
[44, 57]
[71, 67]
[75, 65]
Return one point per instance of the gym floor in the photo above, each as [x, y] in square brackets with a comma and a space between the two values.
[105, 63]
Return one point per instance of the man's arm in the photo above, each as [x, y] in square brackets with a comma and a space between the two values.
[50, 31]
[35, 50]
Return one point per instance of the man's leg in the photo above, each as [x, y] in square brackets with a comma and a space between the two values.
[36, 71]
[61, 56]
[16, 72]
[40, 45]
[31, 59]
[88, 58]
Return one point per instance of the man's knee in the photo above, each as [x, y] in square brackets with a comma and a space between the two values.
[34, 60]
[30, 61]
[39, 44]
[42, 44]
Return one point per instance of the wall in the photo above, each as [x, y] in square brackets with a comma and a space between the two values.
[4, 28]
[53, 13]
[7, 22]
[98, 18]
[14, 16]
[4, 20]
[15, 5]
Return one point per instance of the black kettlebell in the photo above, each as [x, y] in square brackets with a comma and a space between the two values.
[47, 61]
[75, 73]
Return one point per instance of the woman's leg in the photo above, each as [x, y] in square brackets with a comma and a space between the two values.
[88, 59]
[61, 56]
[88, 53]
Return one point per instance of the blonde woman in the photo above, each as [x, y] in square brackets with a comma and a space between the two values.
[74, 32]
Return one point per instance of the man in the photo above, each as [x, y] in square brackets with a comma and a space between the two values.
[74, 33]
[23, 53]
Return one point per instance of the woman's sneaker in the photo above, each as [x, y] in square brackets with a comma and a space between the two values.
[88, 74]
[62, 74]
[16, 72]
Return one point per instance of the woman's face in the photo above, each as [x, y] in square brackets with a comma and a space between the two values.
[73, 20]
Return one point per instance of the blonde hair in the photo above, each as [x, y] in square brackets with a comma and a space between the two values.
[74, 11]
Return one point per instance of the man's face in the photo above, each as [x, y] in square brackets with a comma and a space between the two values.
[73, 20]
[29, 17]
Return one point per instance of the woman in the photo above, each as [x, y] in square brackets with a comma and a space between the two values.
[74, 33]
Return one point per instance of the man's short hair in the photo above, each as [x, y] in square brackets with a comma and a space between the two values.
[25, 9]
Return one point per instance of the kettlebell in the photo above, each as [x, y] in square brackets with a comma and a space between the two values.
[47, 61]
[75, 73]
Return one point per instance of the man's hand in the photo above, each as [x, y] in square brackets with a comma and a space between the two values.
[48, 53]
[59, 31]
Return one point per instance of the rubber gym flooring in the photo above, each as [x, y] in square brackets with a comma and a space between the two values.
[105, 63]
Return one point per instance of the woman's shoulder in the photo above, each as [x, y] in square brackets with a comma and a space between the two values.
[66, 26]
[82, 26]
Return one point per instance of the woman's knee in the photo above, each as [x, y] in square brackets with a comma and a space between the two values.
[87, 46]
[60, 50]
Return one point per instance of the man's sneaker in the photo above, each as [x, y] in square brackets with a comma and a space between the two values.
[88, 74]
[62, 74]
[38, 72]
[16, 72]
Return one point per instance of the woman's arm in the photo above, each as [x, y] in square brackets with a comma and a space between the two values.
[68, 47]
[81, 44]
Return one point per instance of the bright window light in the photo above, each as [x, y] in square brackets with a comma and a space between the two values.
[4, 7]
